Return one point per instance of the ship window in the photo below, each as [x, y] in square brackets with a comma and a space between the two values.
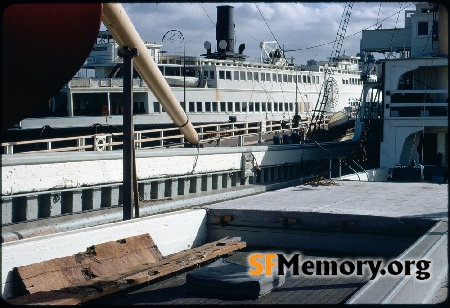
[250, 107]
[228, 75]
[291, 107]
[267, 76]
[199, 107]
[191, 73]
[280, 78]
[304, 79]
[237, 107]
[249, 76]
[214, 106]
[236, 75]
[223, 106]
[286, 106]
[422, 28]
[269, 106]
[263, 107]
[274, 77]
[172, 71]
[156, 107]
[275, 106]
[208, 106]
[242, 75]
[257, 106]
[285, 78]
[244, 107]
[191, 107]
[256, 76]
[280, 107]
[263, 77]
[230, 107]
[290, 78]
[309, 79]
[221, 74]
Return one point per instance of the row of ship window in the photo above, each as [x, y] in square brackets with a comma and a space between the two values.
[254, 76]
[285, 78]
[257, 76]
[228, 107]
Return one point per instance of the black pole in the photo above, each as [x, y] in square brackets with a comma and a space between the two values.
[128, 130]
[184, 73]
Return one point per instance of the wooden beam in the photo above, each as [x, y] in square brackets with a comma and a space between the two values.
[136, 275]
[97, 261]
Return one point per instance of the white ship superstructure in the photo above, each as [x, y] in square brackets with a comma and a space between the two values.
[218, 87]
[415, 91]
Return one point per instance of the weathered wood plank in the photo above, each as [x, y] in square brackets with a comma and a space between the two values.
[97, 261]
[115, 281]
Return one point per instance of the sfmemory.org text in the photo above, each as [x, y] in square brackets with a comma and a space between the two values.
[269, 263]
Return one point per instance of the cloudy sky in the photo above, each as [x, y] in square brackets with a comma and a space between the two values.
[298, 26]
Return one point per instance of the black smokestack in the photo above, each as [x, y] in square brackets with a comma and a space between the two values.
[225, 27]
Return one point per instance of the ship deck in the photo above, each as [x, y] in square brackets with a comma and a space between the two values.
[384, 215]
[304, 290]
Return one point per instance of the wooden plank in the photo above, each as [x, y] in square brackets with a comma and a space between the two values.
[98, 260]
[104, 285]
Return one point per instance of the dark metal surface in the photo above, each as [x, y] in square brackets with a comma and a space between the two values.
[128, 131]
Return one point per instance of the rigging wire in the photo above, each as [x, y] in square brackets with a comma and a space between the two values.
[395, 27]
[267, 24]
[208, 15]
[378, 15]
[353, 34]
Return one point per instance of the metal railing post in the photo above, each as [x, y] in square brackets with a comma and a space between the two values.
[128, 132]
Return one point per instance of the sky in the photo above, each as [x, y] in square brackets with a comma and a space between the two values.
[299, 26]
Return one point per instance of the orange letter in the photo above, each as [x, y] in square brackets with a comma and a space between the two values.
[269, 263]
[254, 263]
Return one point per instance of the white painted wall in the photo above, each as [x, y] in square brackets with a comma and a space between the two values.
[22, 173]
[171, 232]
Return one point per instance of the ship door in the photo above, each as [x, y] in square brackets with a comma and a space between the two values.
[429, 151]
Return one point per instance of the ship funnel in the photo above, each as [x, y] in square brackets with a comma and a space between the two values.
[225, 28]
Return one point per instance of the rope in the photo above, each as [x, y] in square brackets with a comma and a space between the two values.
[267, 24]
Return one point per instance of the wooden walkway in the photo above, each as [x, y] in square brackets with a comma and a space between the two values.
[296, 290]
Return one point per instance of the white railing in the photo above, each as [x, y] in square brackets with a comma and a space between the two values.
[155, 138]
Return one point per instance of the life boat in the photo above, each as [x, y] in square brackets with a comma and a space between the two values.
[51, 40]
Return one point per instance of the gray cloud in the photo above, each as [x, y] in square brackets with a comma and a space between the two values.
[295, 25]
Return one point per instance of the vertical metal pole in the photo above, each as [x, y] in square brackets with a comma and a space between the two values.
[184, 71]
[128, 131]
[109, 104]
[329, 172]
[340, 168]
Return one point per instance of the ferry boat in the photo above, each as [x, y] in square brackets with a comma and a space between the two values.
[414, 94]
[217, 87]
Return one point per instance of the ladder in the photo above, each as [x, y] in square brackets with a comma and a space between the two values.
[318, 112]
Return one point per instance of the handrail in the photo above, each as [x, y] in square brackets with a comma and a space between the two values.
[207, 133]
